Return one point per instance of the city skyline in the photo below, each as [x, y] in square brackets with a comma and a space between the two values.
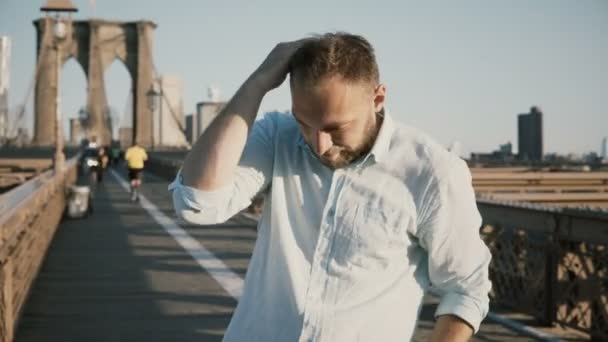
[461, 73]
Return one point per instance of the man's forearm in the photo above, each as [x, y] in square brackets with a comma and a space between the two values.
[215, 155]
[451, 328]
[211, 161]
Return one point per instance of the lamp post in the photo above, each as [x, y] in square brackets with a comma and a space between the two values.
[59, 34]
[154, 102]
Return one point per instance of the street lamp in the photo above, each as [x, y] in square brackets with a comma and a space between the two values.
[59, 34]
[155, 99]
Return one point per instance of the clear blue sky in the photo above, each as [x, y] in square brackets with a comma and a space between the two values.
[460, 70]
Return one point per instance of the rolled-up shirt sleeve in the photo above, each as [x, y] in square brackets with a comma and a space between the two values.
[458, 259]
[252, 175]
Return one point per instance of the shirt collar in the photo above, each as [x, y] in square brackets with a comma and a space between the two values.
[380, 149]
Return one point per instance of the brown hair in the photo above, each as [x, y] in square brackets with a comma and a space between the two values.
[344, 54]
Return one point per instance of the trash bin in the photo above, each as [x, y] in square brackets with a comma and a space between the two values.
[79, 201]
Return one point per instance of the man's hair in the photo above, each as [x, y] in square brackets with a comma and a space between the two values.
[335, 54]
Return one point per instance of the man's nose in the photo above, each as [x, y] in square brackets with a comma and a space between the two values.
[323, 142]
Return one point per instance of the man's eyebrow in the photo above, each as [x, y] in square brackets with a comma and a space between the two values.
[328, 127]
[332, 127]
[336, 125]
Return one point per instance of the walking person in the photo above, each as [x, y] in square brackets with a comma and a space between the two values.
[102, 163]
[135, 156]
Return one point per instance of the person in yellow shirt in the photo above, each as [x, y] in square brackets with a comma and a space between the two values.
[135, 156]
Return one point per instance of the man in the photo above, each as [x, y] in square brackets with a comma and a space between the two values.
[362, 213]
[135, 157]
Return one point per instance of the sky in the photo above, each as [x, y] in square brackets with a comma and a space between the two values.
[459, 70]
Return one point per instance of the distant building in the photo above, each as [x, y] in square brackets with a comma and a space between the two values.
[506, 149]
[75, 131]
[604, 153]
[205, 113]
[592, 158]
[169, 127]
[5, 61]
[125, 136]
[530, 135]
[503, 156]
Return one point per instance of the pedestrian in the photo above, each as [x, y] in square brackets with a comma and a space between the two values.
[115, 155]
[102, 160]
[135, 156]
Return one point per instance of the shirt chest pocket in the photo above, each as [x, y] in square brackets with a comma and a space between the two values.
[372, 236]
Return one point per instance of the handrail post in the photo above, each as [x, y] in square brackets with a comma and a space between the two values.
[552, 256]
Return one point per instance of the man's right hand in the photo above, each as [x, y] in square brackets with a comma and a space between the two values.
[273, 71]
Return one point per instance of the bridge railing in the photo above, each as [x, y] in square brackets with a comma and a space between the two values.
[29, 217]
[548, 262]
[551, 263]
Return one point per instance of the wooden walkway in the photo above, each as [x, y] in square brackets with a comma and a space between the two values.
[119, 276]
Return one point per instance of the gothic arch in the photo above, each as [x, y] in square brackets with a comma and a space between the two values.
[94, 44]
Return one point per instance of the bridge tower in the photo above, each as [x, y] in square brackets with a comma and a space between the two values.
[94, 44]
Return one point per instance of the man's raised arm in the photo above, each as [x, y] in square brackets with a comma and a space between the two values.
[211, 162]
[232, 161]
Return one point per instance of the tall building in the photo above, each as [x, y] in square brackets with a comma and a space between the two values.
[604, 153]
[530, 135]
[125, 137]
[5, 60]
[75, 131]
[169, 117]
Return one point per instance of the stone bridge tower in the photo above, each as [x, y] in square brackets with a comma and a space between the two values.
[94, 44]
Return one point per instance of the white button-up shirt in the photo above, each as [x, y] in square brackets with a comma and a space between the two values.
[347, 254]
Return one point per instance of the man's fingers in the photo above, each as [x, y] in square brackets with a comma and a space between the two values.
[289, 48]
[296, 44]
[275, 67]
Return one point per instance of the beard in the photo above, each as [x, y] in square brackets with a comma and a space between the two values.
[340, 156]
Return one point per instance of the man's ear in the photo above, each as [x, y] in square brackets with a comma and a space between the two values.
[379, 97]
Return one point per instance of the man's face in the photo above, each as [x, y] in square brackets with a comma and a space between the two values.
[337, 118]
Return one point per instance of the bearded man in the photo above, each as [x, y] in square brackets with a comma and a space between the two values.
[362, 213]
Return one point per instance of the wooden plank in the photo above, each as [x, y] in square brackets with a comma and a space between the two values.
[553, 197]
[498, 169]
[545, 187]
[603, 176]
[26, 163]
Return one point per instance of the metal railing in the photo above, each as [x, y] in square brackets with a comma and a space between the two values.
[29, 217]
[551, 263]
